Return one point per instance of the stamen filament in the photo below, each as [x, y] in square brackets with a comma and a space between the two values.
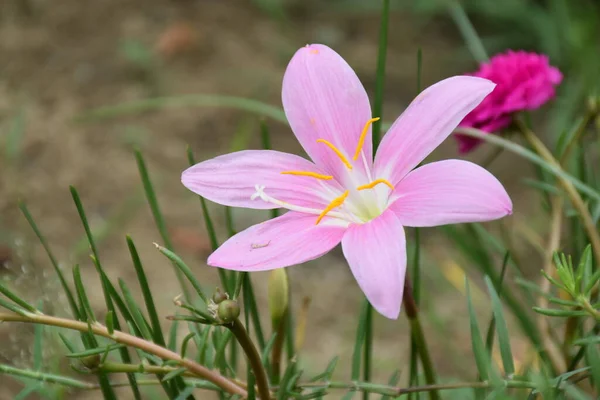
[308, 173]
[335, 203]
[337, 152]
[363, 135]
[375, 183]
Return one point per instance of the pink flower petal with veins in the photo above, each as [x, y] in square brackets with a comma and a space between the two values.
[426, 123]
[450, 192]
[376, 253]
[324, 99]
[290, 239]
[231, 179]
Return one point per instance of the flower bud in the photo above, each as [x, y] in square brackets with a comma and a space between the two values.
[228, 310]
[278, 294]
[219, 296]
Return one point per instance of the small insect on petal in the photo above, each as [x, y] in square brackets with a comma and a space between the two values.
[259, 245]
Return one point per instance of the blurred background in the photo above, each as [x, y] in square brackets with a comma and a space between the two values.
[61, 60]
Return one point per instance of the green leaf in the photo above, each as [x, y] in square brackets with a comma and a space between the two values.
[250, 305]
[174, 374]
[360, 339]
[157, 334]
[481, 358]
[380, 74]
[11, 307]
[110, 322]
[184, 343]
[393, 381]
[173, 336]
[68, 344]
[83, 298]
[467, 31]
[287, 375]
[195, 100]
[187, 272]
[185, 393]
[210, 228]
[560, 313]
[19, 301]
[136, 313]
[326, 375]
[99, 350]
[593, 360]
[587, 340]
[501, 329]
[158, 216]
[267, 350]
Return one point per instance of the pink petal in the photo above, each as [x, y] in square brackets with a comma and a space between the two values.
[290, 239]
[230, 180]
[376, 252]
[426, 123]
[450, 192]
[324, 99]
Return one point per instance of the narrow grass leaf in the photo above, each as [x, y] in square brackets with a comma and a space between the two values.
[481, 358]
[157, 334]
[136, 313]
[187, 272]
[16, 299]
[173, 331]
[83, 298]
[593, 360]
[501, 329]
[210, 228]
[359, 341]
[109, 321]
[174, 374]
[250, 305]
[99, 350]
[159, 219]
[194, 100]
[53, 260]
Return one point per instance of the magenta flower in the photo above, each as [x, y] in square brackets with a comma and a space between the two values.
[524, 81]
[344, 195]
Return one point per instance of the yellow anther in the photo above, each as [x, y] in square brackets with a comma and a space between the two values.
[363, 135]
[375, 183]
[308, 173]
[337, 152]
[335, 203]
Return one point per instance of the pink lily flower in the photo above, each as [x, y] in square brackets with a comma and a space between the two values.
[345, 195]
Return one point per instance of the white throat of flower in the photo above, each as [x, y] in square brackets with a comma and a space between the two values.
[358, 208]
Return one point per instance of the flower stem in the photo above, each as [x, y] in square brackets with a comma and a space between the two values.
[129, 340]
[412, 313]
[243, 339]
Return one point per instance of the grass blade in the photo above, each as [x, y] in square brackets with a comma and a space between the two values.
[88, 313]
[186, 271]
[380, 74]
[158, 216]
[16, 299]
[195, 100]
[157, 334]
[467, 31]
[53, 260]
[501, 329]
[360, 339]
[481, 358]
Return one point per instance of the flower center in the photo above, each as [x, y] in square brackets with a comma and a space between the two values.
[351, 205]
